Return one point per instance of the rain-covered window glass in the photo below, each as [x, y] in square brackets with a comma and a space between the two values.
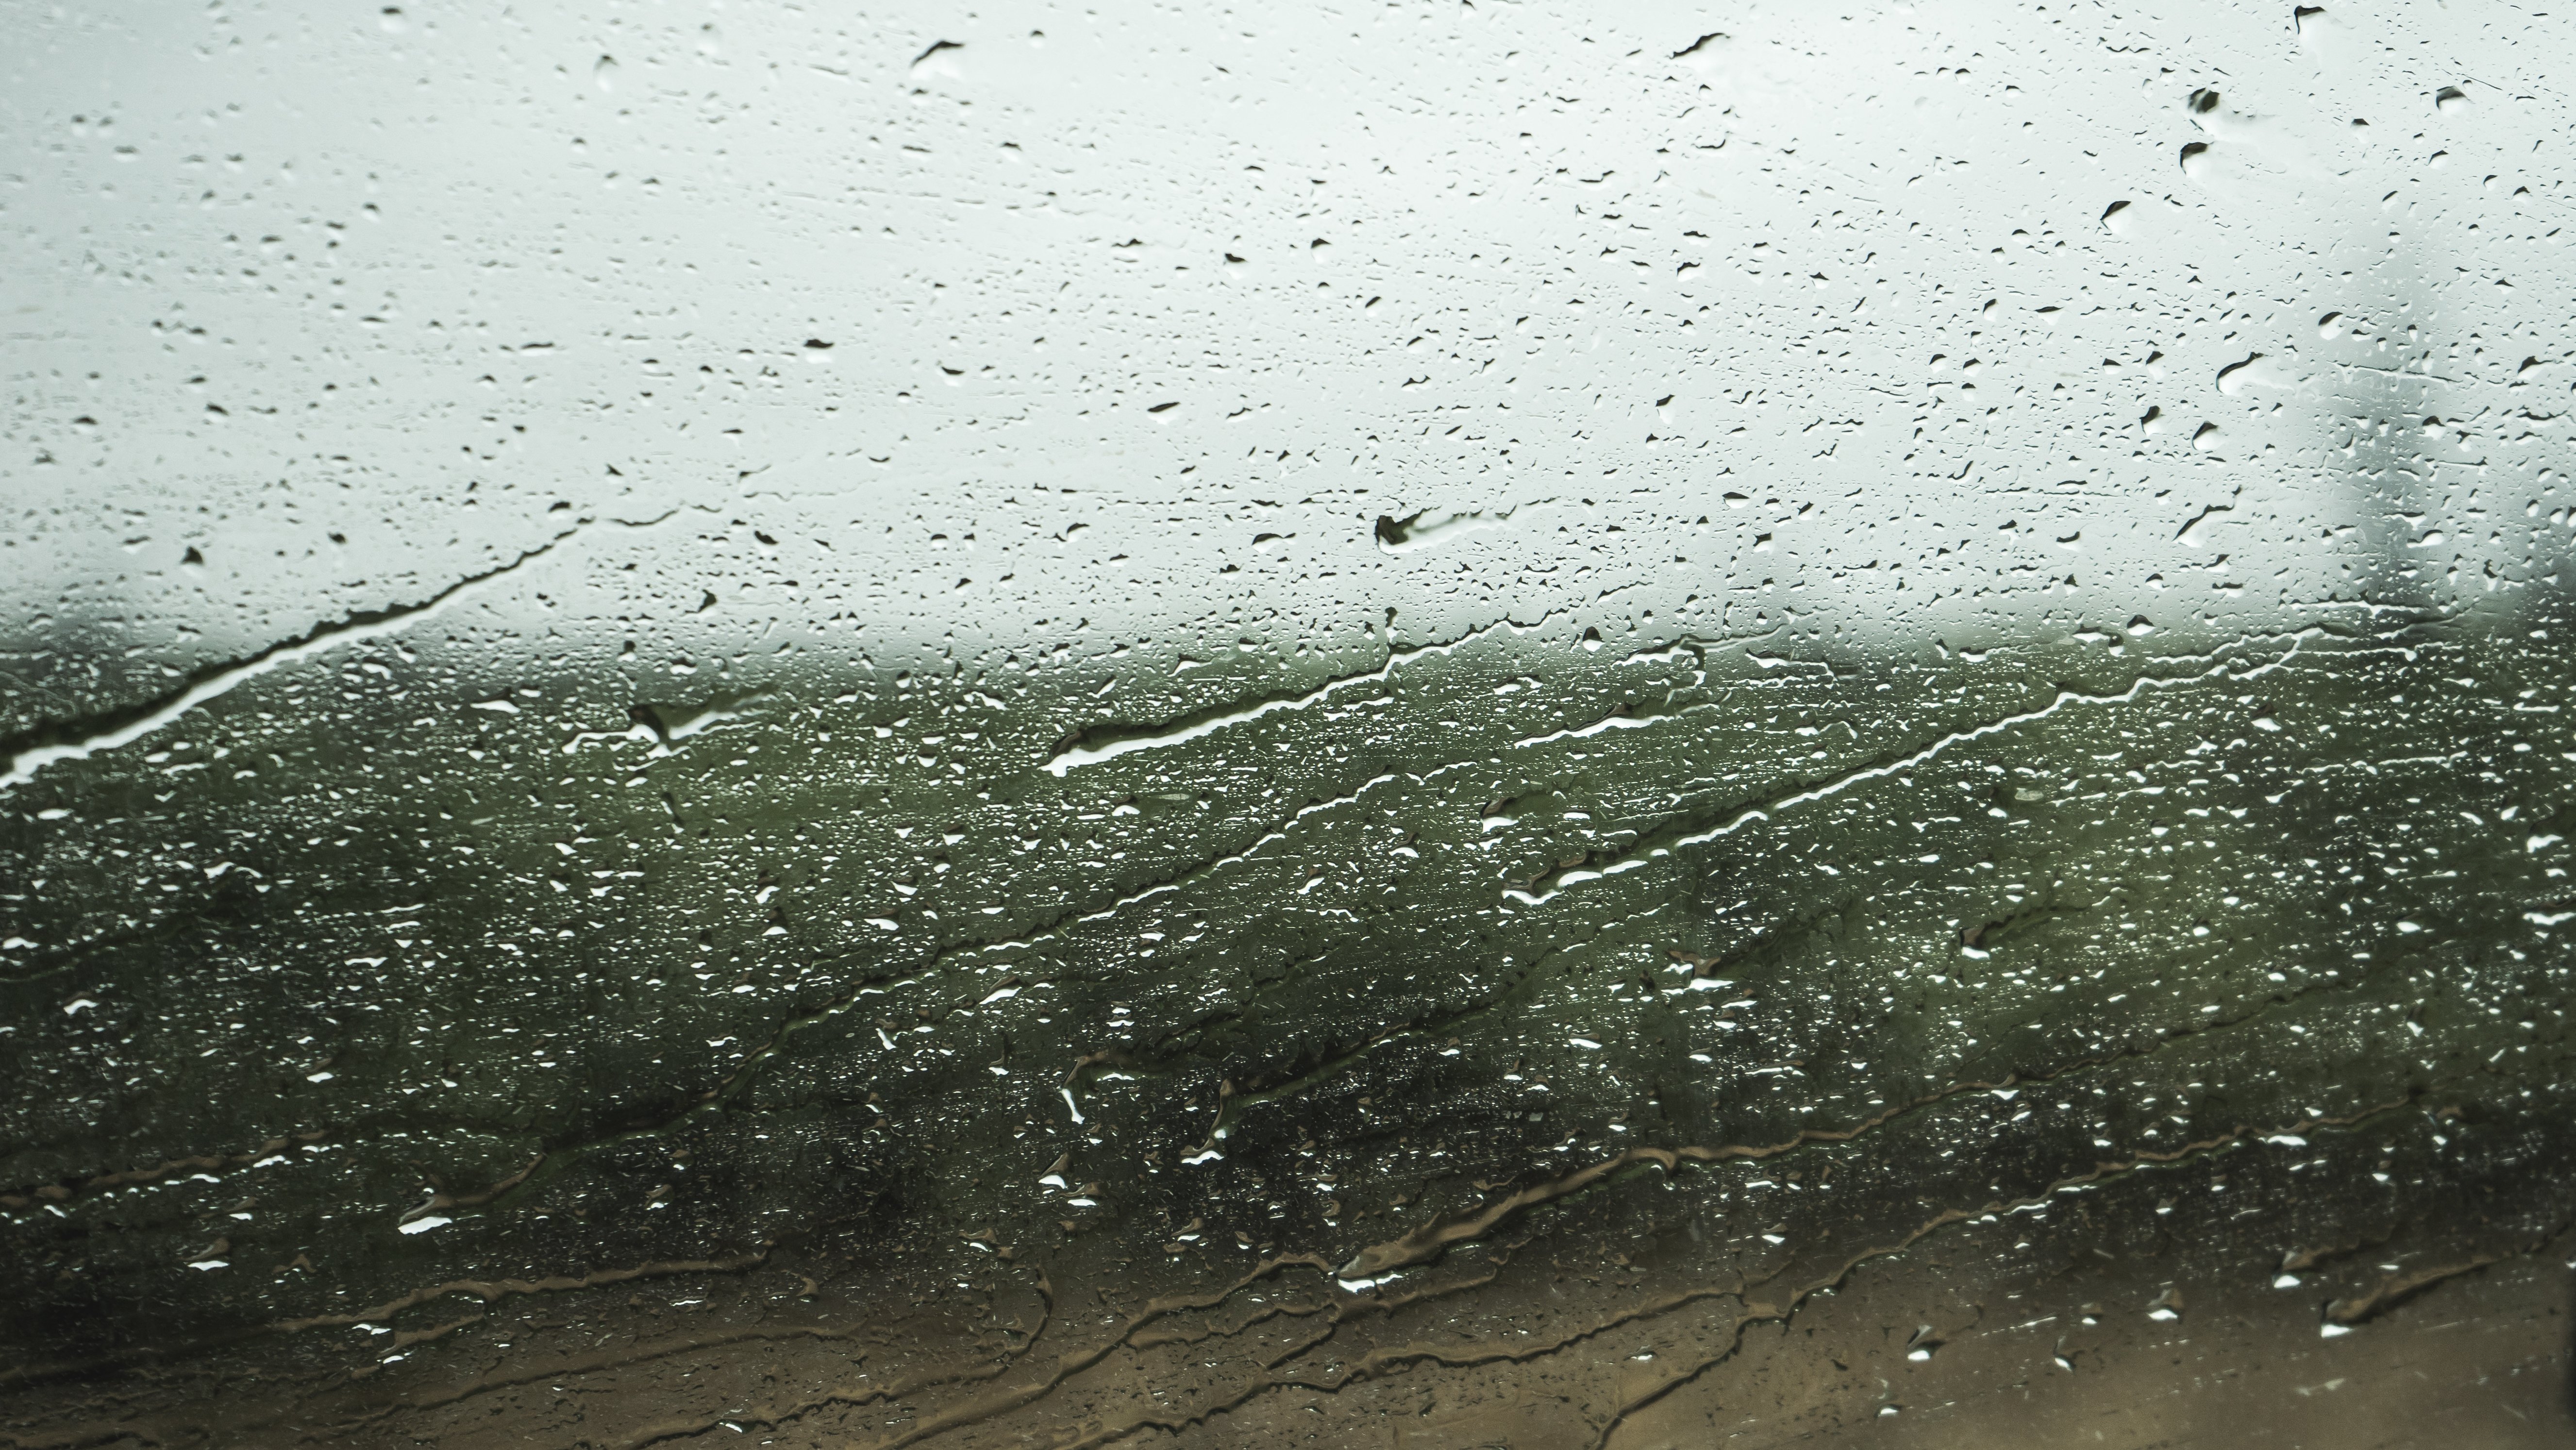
[1419, 724]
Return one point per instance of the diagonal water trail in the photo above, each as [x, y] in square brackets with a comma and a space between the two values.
[1208, 722]
[78, 740]
[1649, 850]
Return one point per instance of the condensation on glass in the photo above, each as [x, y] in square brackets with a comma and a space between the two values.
[1422, 725]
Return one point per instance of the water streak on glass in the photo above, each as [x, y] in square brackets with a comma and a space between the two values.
[1437, 725]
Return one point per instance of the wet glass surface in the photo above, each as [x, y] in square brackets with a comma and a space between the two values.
[1431, 726]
